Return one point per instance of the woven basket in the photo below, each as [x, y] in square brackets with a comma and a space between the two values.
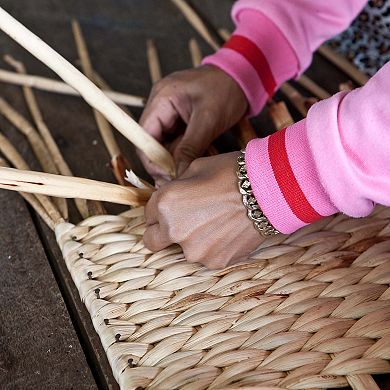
[310, 310]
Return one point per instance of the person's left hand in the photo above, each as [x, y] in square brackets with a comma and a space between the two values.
[202, 211]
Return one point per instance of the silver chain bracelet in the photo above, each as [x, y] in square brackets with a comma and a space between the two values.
[255, 214]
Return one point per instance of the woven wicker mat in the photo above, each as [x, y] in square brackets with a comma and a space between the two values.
[308, 311]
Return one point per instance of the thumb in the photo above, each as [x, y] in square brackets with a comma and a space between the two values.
[193, 144]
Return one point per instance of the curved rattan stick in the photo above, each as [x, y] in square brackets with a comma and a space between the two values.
[71, 187]
[63, 167]
[92, 94]
[51, 85]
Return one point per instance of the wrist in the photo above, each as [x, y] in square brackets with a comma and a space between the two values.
[260, 222]
[284, 179]
[257, 56]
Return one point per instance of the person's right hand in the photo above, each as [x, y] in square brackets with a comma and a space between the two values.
[206, 99]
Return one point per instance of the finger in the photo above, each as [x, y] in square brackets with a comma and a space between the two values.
[151, 211]
[154, 170]
[159, 116]
[155, 239]
[196, 139]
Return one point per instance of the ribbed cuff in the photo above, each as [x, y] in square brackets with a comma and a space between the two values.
[284, 179]
[257, 56]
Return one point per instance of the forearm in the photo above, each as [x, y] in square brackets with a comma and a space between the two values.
[338, 159]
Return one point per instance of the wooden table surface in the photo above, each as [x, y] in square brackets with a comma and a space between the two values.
[46, 337]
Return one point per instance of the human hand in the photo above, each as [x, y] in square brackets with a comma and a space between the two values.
[202, 211]
[206, 99]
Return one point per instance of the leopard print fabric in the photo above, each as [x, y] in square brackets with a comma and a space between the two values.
[367, 41]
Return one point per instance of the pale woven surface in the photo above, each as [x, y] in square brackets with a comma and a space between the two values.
[311, 311]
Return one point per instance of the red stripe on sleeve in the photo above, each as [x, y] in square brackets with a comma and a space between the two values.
[256, 58]
[287, 181]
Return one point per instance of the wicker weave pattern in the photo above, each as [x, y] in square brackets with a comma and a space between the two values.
[311, 310]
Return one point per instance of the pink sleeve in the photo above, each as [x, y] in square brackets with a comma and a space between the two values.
[337, 159]
[274, 41]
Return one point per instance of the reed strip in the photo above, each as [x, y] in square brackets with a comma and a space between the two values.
[55, 86]
[153, 61]
[92, 94]
[44, 131]
[301, 103]
[71, 187]
[27, 129]
[313, 88]
[196, 22]
[195, 52]
[343, 64]
[119, 164]
[86, 65]
[280, 115]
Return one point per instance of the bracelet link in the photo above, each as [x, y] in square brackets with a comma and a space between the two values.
[255, 214]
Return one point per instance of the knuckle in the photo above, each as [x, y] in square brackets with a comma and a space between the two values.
[165, 199]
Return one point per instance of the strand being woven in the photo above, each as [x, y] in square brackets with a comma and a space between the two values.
[308, 311]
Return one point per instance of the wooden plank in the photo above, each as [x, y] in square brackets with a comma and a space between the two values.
[39, 347]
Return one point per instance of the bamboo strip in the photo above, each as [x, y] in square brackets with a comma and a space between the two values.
[55, 86]
[70, 187]
[93, 95]
[119, 163]
[30, 133]
[196, 54]
[14, 157]
[313, 88]
[103, 125]
[196, 22]
[62, 166]
[301, 103]
[280, 115]
[33, 202]
[343, 64]
[153, 61]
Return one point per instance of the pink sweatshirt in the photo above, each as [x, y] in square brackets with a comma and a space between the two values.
[338, 158]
